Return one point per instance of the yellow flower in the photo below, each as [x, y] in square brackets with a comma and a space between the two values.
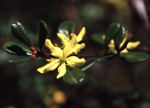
[130, 45]
[79, 37]
[62, 56]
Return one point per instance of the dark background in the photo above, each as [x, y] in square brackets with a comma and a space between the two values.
[111, 84]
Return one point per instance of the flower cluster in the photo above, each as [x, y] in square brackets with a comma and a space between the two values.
[124, 46]
[62, 56]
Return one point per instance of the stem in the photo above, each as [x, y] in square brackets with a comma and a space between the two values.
[94, 60]
[89, 55]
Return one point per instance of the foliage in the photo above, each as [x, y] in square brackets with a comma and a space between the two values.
[74, 75]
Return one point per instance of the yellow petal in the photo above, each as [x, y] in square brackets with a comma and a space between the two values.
[81, 34]
[111, 44]
[69, 48]
[78, 47]
[127, 36]
[49, 66]
[51, 59]
[124, 51]
[132, 45]
[61, 70]
[55, 51]
[75, 61]
[63, 38]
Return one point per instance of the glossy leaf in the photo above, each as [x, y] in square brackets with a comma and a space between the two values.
[99, 38]
[134, 57]
[43, 33]
[19, 60]
[74, 76]
[17, 49]
[112, 32]
[120, 35]
[20, 33]
[66, 26]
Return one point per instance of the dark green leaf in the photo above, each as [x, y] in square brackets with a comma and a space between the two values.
[66, 26]
[120, 35]
[73, 76]
[112, 32]
[99, 38]
[43, 33]
[20, 33]
[19, 60]
[134, 57]
[17, 49]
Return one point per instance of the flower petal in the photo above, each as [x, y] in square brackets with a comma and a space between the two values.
[75, 61]
[111, 44]
[78, 47]
[49, 66]
[63, 38]
[55, 51]
[61, 70]
[127, 36]
[124, 51]
[81, 34]
[132, 45]
[69, 48]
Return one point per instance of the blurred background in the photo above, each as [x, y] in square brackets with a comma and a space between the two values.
[110, 84]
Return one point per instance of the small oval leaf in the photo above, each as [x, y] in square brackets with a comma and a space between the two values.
[43, 33]
[20, 33]
[120, 35]
[17, 49]
[66, 26]
[112, 32]
[74, 76]
[134, 57]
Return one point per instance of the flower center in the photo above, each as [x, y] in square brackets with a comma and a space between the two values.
[62, 59]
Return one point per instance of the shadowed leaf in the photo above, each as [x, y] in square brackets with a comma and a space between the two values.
[17, 49]
[43, 33]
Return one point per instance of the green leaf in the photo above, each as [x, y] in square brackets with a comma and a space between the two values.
[74, 76]
[120, 35]
[17, 49]
[134, 57]
[19, 60]
[20, 33]
[112, 31]
[66, 26]
[99, 38]
[43, 33]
